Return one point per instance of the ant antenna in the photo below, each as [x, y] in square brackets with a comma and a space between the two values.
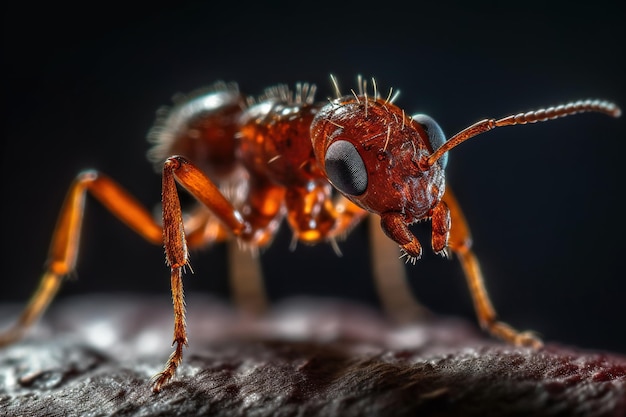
[533, 116]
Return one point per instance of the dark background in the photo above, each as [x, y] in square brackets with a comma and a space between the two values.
[81, 87]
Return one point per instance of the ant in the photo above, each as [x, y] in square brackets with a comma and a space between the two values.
[250, 163]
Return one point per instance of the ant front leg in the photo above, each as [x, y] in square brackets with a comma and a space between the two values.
[460, 243]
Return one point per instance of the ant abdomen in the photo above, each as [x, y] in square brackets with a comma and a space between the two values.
[201, 126]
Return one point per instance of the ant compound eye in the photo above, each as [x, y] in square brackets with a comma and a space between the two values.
[436, 137]
[345, 168]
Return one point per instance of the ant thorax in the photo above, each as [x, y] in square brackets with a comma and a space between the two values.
[274, 142]
[274, 145]
[370, 151]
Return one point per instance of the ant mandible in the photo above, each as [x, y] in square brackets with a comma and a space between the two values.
[251, 163]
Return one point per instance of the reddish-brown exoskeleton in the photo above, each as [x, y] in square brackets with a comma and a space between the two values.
[251, 163]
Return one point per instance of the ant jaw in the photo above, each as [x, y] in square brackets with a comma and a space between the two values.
[408, 258]
[395, 227]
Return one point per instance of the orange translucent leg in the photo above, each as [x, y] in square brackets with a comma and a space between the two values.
[460, 242]
[178, 169]
[246, 279]
[388, 271]
[347, 216]
[65, 240]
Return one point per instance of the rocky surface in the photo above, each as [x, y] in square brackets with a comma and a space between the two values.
[94, 356]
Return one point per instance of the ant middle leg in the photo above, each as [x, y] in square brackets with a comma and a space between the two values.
[244, 265]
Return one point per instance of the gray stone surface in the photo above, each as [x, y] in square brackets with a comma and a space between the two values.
[94, 356]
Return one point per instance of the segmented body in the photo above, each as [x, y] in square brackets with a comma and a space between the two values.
[251, 163]
[267, 155]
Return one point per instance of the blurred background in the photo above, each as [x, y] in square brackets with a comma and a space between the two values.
[81, 87]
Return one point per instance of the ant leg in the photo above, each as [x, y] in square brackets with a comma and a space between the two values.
[66, 236]
[201, 228]
[440, 225]
[460, 242]
[245, 274]
[347, 215]
[178, 169]
[388, 271]
[246, 279]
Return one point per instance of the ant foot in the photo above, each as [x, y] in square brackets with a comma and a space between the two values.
[528, 338]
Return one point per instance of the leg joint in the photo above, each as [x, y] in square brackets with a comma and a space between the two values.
[88, 175]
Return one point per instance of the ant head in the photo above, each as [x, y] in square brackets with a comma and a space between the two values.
[375, 154]
[387, 162]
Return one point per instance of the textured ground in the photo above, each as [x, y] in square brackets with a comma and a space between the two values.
[94, 356]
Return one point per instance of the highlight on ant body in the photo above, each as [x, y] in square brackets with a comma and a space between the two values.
[321, 166]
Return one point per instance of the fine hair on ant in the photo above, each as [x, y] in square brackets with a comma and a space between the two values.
[251, 163]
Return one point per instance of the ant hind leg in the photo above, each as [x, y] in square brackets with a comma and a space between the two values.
[66, 238]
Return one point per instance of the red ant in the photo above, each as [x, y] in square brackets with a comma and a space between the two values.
[251, 163]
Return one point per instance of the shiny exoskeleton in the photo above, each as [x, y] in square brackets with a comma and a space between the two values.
[324, 166]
